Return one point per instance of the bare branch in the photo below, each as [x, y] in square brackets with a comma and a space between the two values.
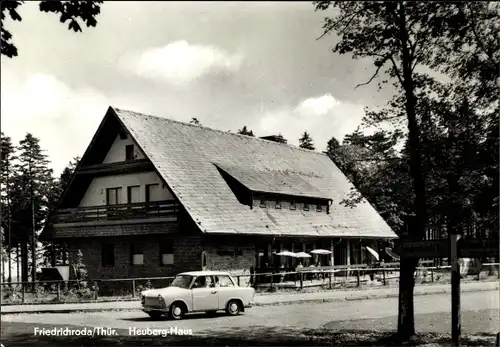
[372, 78]
[338, 22]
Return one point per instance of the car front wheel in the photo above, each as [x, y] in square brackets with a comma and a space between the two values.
[177, 311]
[233, 308]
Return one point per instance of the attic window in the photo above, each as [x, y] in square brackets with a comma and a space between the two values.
[319, 208]
[278, 204]
[262, 203]
[123, 134]
[129, 152]
[293, 205]
[306, 207]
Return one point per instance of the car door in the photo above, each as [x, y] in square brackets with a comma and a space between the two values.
[227, 290]
[205, 298]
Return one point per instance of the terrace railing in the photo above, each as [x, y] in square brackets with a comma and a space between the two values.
[156, 209]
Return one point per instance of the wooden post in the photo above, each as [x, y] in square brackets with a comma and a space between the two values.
[432, 275]
[23, 289]
[301, 280]
[58, 290]
[332, 259]
[455, 290]
[357, 276]
[383, 276]
[238, 278]
[96, 290]
[348, 258]
[133, 288]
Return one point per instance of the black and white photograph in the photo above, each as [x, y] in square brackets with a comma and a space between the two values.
[249, 173]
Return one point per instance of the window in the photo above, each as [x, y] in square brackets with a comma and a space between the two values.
[129, 152]
[278, 204]
[152, 192]
[133, 194]
[203, 282]
[113, 196]
[262, 203]
[108, 254]
[319, 208]
[306, 207]
[223, 281]
[293, 206]
[166, 252]
[137, 254]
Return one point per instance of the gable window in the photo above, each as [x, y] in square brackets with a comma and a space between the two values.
[306, 207]
[166, 252]
[129, 152]
[137, 254]
[278, 204]
[262, 203]
[108, 254]
[133, 194]
[293, 205]
[113, 196]
[152, 192]
[319, 208]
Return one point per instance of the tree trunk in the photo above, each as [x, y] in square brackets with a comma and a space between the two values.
[17, 263]
[406, 322]
[24, 262]
[33, 241]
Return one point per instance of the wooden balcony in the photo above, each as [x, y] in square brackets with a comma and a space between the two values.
[159, 210]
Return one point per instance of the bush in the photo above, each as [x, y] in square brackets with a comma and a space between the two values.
[146, 286]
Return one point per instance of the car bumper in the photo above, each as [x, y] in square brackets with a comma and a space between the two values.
[154, 309]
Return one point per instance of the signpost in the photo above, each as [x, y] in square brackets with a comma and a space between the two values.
[454, 247]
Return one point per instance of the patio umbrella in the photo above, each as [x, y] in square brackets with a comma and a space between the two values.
[320, 251]
[302, 255]
[286, 254]
[372, 252]
[391, 253]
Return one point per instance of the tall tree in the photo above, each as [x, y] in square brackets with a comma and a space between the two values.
[402, 37]
[7, 152]
[306, 141]
[33, 181]
[57, 252]
[73, 12]
[245, 131]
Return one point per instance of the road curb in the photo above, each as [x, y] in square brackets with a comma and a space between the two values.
[277, 303]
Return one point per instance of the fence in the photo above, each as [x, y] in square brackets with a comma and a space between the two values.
[130, 288]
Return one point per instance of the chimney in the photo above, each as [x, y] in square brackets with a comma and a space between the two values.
[275, 138]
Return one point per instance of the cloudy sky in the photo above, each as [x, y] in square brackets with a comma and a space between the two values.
[227, 64]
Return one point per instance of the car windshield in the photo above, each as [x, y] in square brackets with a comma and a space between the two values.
[182, 281]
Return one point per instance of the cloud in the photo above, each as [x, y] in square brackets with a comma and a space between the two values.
[64, 119]
[319, 106]
[323, 117]
[179, 62]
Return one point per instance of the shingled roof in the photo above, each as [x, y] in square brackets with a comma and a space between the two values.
[188, 158]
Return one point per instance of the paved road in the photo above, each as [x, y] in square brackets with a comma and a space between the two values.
[295, 316]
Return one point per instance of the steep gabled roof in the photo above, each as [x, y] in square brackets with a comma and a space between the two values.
[188, 157]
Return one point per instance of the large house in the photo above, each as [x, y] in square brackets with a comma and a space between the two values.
[153, 197]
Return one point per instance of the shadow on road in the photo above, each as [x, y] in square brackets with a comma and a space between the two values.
[21, 334]
[186, 318]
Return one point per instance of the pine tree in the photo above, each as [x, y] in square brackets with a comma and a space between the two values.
[245, 131]
[33, 179]
[7, 152]
[306, 141]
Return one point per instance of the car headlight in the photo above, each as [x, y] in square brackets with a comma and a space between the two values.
[161, 301]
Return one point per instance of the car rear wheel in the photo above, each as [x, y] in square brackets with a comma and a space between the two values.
[233, 307]
[155, 314]
[177, 311]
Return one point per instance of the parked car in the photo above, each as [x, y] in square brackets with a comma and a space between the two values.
[197, 291]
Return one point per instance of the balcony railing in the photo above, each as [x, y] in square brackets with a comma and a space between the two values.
[156, 209]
